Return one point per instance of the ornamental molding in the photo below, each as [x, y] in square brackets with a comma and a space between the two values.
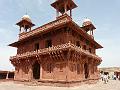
[53, 49]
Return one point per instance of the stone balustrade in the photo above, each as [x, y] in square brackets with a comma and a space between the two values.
[55, 48]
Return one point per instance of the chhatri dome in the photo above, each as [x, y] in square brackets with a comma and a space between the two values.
[25, 23]
[26, 17]
[86, 22]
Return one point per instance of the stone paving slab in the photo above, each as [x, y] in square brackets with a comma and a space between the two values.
[111, 85]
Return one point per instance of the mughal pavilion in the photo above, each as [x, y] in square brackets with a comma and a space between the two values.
[59, 52]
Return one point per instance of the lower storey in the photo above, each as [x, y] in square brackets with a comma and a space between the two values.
[57, 71]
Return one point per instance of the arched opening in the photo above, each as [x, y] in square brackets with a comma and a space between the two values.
[36, 70]
[86, 70]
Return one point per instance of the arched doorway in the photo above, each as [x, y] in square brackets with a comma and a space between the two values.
[86, 70]
[36, 70]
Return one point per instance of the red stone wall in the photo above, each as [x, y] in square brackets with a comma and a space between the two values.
[57, 39]
[72, 74]
[21, 74]
[58, 71]
[75, 37]
[61, 71]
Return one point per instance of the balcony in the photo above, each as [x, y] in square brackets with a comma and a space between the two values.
[61, 47]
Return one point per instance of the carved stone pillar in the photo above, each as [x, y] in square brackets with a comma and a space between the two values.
[30, 72]
[41, 69]
[91, 72]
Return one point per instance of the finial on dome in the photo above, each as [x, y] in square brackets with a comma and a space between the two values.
[26, 17]
[86, 19]
[26, 13]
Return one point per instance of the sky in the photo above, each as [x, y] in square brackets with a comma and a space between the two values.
[105, 15]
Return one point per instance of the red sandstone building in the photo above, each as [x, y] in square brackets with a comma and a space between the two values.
[60, 51]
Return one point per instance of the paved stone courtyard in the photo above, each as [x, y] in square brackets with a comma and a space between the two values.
[111, 85]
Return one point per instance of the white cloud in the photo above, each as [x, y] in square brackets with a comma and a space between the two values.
[110, 53]
[5, 54]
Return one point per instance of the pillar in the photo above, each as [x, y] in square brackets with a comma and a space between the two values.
[57, 13]
[41, 69]
[7, 75]
[30, 28]
[65, 7]
[66, 71]
[30, 73]
[92, 32]
[20, 29]
[70, 13]
[82, 70]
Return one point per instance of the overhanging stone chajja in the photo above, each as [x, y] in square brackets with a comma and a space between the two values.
[62, 47]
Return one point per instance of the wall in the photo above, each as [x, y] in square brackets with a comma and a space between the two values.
[58, 72]
[74, 36]
[56, 37]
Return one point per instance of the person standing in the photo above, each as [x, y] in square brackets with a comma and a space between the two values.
[118, 77]
[105, 79]
[114, 77]
[102, 77]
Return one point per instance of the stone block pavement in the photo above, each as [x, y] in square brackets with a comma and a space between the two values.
[111, 85]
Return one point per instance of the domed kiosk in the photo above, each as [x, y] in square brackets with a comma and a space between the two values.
[86, 22]
[25, 23]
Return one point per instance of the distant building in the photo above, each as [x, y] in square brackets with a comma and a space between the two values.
[6, 74]
[60, 51]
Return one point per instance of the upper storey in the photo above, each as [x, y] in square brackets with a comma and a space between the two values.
[62, 21]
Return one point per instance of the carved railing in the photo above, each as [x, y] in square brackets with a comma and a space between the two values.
[79, 49]
[55, 48]
[45, 27]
